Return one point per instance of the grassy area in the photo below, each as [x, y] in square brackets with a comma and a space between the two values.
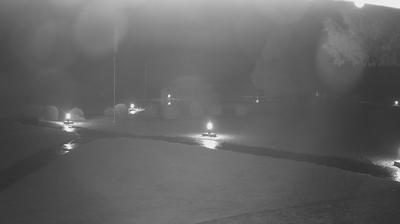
[19, 141]
[121, 180]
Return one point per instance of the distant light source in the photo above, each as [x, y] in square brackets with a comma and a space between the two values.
[359, 4]
[169, 103]
[134, 110]
[396, 103]
[257, 100]
[169, 95]
[67, 116]
[210, 127]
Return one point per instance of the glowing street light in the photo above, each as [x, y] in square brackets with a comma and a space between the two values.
[67, 116]
[169, 95]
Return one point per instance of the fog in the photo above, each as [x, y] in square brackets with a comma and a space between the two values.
[61, 52]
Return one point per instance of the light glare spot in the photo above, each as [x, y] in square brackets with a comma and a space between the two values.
[210, 144]
[209, 125]
[68, 128]
[68, 146]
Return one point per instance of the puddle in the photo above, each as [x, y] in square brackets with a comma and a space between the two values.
[209, 143]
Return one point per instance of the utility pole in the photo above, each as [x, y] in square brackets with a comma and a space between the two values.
[114, 64]
[145, 81]
[115, 47]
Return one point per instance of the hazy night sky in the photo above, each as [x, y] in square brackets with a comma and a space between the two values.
[60, 52]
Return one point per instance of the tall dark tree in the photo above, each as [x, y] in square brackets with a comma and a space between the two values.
[364, 37]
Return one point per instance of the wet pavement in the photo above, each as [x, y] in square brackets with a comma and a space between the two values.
[81, 136]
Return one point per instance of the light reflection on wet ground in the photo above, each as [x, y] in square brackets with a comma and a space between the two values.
[382, 169]
[68, 147]
[389, 164]
[209, 143]
[69, 128]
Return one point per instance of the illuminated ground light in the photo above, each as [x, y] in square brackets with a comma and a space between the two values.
[209, 132]
[169, 103]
